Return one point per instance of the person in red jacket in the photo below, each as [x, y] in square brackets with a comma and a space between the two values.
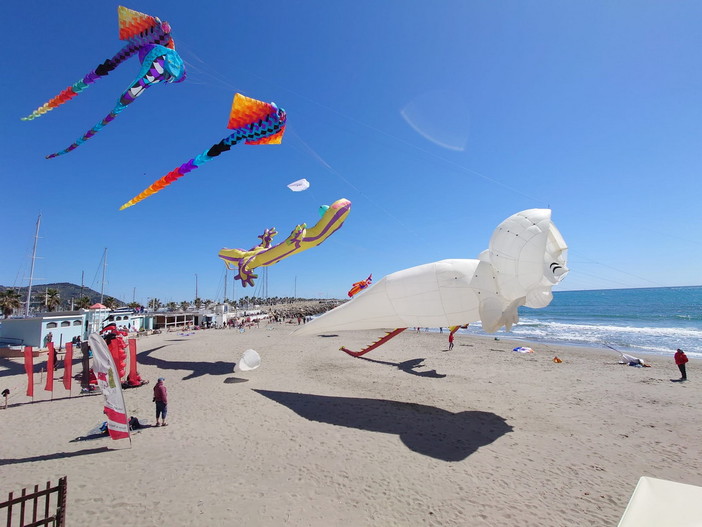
[161, 400]
[681, 360]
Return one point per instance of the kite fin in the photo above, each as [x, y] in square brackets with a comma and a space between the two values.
[131, 22]
[382, 340]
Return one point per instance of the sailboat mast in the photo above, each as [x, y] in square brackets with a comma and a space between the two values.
[104, 267]
[31, 272]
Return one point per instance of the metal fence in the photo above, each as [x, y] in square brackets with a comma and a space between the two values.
[35, 508]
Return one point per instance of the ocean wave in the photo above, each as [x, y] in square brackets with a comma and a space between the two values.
[610, 329]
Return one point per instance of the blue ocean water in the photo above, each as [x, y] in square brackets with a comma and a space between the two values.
[649, 320]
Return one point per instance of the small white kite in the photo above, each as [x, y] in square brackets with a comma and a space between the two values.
[299, 185]
[250, 360]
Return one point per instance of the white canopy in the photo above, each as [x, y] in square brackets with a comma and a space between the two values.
[657, 502]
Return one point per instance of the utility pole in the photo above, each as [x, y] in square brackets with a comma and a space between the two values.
[196, 296]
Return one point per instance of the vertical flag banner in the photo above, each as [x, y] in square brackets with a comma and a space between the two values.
[50, 368]
[133, 375]
[29, 368]
[68, 366]
[108, 381]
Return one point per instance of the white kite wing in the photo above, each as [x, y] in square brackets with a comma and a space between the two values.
[250, 360]
[299, 185]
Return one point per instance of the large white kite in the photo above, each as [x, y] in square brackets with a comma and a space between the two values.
[525, 259]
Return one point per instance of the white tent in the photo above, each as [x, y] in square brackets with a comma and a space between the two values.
[657, 502]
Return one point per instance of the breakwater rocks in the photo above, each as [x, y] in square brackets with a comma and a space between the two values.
[301, 309]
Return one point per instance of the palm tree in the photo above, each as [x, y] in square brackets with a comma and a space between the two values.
[82, 303]
[155, 303]
[134, 305]
[9, 301]
[52, 300]
[110, 302]
[184, 305]
[198, 302]
[172, 306]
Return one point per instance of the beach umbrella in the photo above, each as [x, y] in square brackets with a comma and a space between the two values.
[250, 360]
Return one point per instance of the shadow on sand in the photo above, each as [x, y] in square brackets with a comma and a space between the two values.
[57, 455]
[427, 430]
[198, 368]
[409, 366]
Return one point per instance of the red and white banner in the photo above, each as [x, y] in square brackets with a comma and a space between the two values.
[29, 368]
[109, 382]
[50, 368]
[68, 366]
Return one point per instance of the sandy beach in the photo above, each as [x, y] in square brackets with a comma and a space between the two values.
[411, 434]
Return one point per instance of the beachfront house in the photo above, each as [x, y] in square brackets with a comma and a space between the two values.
[33, 331]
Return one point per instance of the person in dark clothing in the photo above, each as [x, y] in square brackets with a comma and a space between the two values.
[681, 360]
[161, 400]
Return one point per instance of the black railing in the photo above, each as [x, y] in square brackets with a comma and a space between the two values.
[46, 513]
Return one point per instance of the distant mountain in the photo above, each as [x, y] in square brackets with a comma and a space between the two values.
[67, 291]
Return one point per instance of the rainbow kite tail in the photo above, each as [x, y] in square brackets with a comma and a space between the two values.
[163, 182]
[101, 71]
[160, 65]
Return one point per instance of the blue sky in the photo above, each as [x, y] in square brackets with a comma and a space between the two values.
[436, 119]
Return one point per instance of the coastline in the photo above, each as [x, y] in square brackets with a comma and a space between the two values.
[410, 434]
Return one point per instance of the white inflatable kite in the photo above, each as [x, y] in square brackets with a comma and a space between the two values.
[525, 259]
[250, 360]
[299, 185]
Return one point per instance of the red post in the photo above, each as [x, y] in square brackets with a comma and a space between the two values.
[133, 374]
[29, 368]
[50, 369]
[68, 367]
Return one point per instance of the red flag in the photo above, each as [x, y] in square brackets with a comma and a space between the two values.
[29, 368]
[50, 368]
[133, 374]
[68, 366]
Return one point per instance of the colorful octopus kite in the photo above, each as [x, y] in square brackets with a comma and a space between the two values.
[144, 34]
[300, 239]
[254, 122]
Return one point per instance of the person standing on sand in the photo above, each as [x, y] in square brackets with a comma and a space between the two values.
[450, 341]
[161, 400]
[681, 360]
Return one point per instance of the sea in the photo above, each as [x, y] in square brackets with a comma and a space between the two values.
[648, 320]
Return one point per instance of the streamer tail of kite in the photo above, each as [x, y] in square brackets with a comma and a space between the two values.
[254, 122]
[382, 340]
[159, 64]
[139, 30]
